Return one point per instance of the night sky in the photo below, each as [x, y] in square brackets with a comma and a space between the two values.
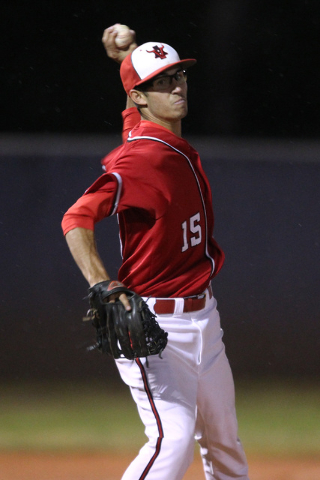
[257, 73]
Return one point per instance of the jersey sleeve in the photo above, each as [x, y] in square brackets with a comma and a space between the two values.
[142, 183]
[97, 203]
[130, 117]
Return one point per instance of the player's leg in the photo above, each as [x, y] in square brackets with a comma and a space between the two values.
[217, 429]
[165, 394]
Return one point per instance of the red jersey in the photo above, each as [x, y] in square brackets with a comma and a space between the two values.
[155, 183]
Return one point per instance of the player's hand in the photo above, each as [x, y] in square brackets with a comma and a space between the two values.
[113, 52]
[123, 299]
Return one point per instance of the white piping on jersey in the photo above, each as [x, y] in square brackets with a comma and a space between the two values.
[116, 203]
[155, 139]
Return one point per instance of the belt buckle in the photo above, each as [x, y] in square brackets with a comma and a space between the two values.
[198, 297]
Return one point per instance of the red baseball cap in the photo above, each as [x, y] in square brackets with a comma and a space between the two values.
[147, 61]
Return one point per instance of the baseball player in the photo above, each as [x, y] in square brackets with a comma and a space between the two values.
[156, 186]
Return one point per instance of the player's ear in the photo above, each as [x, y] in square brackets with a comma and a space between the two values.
[139, 98]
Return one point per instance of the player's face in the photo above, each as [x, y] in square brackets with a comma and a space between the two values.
[164, 100]
[167, 95]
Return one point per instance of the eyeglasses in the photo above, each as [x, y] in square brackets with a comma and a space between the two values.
[165, 81]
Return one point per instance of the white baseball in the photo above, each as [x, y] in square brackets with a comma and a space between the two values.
[124, 37]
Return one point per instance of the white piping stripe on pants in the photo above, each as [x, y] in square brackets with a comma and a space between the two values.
[157, 418]
[193, 393]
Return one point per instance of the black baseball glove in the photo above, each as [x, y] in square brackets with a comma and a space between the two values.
[122, 333]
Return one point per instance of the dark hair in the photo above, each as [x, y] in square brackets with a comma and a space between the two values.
[143, 86]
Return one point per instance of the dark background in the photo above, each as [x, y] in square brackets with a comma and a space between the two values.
[254, 117]
[257, 72]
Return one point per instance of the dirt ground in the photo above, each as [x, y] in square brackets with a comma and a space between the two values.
[104, 466]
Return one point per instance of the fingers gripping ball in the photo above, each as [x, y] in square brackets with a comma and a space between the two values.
[124, 37]
[122, 333]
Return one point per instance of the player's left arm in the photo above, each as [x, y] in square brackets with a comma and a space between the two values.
[82, 245]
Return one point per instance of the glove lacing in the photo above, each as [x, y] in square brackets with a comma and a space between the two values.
[156, 338]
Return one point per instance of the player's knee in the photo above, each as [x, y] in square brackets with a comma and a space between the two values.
[181, 445]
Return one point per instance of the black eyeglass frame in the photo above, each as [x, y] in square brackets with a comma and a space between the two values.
[144, 86]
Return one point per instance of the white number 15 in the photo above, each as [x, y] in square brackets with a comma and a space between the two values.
[191, 232]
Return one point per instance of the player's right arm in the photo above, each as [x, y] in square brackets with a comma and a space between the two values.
[130, 116]
[113, 52]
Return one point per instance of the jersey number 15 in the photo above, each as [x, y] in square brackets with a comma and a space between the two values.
[191, 232]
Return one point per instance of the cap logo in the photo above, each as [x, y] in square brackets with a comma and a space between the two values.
[158, 52]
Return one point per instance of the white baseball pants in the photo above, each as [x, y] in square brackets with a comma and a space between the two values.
[185, 395]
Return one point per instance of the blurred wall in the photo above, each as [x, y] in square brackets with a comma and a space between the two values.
[267, 208]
